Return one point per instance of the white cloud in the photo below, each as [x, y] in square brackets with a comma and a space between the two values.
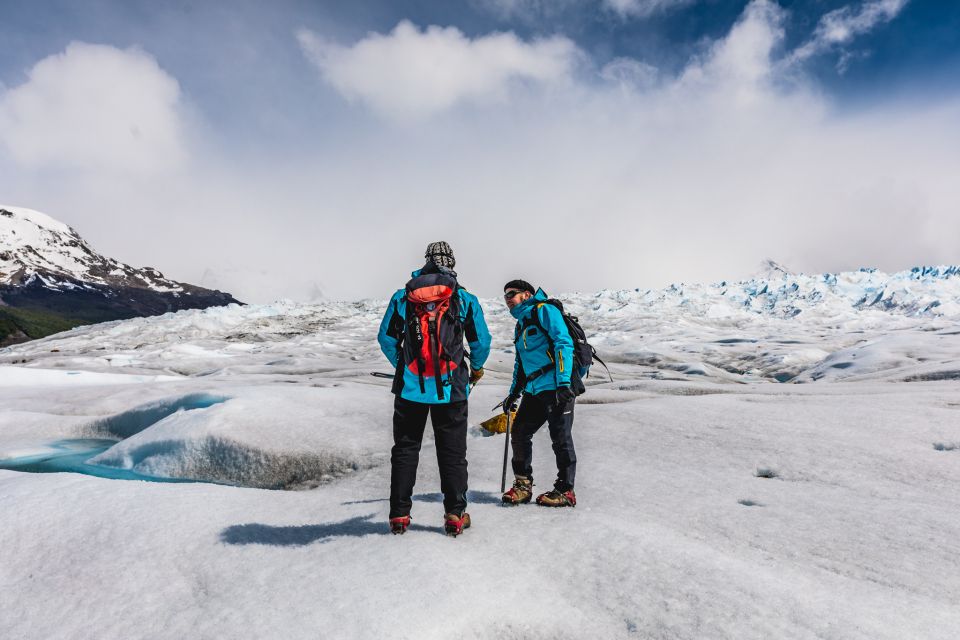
[409, 73]
[628, 73]
[741, 65]
[841, 26]
[643, 8]
[94, 107]
[694, 176]
[682, 178]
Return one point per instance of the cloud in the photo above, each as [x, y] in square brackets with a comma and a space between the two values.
[741, 63]
[628, 73]
[614, 176]
[94, 107]
[644, 8]
[533, 11]
[683, 177]
[841, 26]
[524, 10]
[410, 74]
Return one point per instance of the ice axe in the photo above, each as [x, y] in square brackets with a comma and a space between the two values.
[506, 449]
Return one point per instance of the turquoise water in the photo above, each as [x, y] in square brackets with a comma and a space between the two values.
[71, 456]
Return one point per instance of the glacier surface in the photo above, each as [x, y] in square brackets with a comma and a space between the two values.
[775, 457]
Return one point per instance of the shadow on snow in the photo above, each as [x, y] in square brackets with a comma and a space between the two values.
[474, 497]
[298, 536]
[358, 527]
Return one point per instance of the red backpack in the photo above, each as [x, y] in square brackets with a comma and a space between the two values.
[433, 332]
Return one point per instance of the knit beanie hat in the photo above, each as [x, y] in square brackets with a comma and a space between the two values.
[440, 254]
[520, 285]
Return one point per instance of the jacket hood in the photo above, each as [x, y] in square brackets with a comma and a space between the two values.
[524, 307]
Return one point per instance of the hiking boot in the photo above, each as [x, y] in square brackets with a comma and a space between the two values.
[557, 498]
[520, 492]
[399, 525]
[454, 524]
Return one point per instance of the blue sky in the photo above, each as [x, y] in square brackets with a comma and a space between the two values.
[228, 55]
[699, 134]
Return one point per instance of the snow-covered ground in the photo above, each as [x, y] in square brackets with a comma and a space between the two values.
[715, 501]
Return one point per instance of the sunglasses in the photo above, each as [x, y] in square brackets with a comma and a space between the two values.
[509, 294]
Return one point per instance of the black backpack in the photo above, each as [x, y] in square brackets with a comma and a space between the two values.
[583, 352]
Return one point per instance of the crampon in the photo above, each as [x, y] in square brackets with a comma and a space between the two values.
[454, 525]
[398, 526]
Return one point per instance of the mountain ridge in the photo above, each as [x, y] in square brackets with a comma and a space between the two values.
[50, 277]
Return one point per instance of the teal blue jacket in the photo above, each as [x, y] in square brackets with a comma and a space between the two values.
[533, 348]
[457, 383]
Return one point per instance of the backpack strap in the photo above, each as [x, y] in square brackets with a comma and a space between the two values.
[597, 358]
[535, 321]
[416, 340]
[432, 330]
[398, 330]
[541, 371]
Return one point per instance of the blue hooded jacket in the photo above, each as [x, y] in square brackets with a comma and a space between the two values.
[533, 348]
[457, 381]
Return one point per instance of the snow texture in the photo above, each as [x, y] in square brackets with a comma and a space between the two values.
[774, 458]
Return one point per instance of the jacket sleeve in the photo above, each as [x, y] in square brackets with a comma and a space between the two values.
[476, 332]
[556, 329]
[391, 329]
[519, 382]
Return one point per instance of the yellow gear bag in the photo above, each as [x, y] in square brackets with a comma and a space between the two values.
[498, 423]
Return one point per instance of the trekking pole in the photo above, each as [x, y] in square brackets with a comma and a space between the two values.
[506, 452]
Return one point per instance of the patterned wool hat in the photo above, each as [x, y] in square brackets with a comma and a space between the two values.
[440, 254]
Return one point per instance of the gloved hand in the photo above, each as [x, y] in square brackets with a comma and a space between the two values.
[475, 375]
[510, 402]
[564, 395]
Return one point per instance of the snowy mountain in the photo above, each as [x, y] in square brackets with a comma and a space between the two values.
[47, 268]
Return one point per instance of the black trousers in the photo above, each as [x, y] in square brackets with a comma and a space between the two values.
[450, 433]
[533, 412]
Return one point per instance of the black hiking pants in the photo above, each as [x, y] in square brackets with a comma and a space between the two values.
[450, 433]
[533, 412]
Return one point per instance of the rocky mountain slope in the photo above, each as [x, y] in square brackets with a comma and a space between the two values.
[51, 280]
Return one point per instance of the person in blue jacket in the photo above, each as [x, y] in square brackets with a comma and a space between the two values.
[422, 336]
[543, 374]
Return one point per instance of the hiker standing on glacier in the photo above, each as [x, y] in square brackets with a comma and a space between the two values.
[422, 335]
[545, 374]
